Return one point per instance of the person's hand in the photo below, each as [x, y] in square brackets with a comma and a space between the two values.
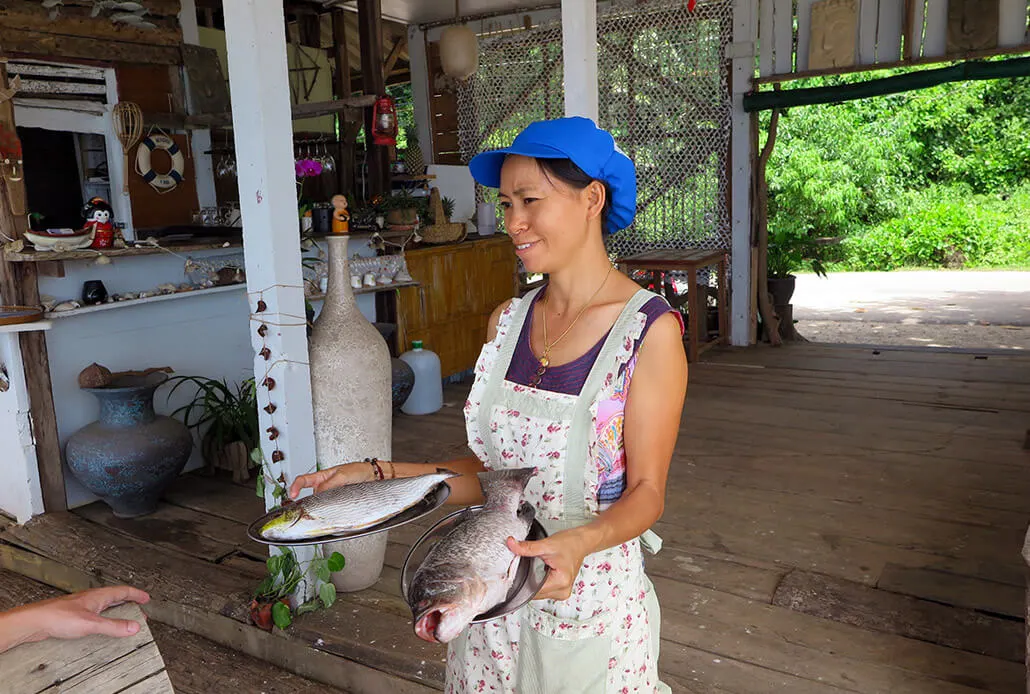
[563, 553]
[339, 476]
[76, 615]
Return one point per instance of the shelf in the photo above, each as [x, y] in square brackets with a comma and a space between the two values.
[370, 290]
[34, 256]
[148, 300]
[26, 327]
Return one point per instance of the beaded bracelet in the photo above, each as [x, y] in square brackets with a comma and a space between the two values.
[376, 469]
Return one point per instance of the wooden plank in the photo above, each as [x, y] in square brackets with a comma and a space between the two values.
[1012, 22]
[889, 31]
[804, 33]
[41, 44]
[766, 38]
[370, 36]
[95, 664]
[197, 534]
[216, 496]
[199, 666]
[867, 21]
[935, 37]
[33, 256]
[877, 610]
[76, 22]
[783, 27]
[951, 589]
[16, 590]
[914, 35]
[786, 643]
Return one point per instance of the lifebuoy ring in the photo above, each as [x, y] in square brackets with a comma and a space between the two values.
[165, 182]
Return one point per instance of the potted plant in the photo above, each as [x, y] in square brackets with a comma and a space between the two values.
[270, 603]
[792, 249]
[232, 418]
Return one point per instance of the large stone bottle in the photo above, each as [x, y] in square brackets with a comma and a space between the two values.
[352, 399]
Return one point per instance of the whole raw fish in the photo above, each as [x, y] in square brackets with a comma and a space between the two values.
[470, 570]
[350, 507]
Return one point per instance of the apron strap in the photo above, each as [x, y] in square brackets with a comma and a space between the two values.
[579, 433]
[495, 379]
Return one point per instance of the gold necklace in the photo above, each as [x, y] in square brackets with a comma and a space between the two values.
[545, 358]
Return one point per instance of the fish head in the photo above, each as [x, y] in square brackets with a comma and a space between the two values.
[442, 608]
[292, 524]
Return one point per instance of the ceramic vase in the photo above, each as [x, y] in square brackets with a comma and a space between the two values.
[130, 455]
[351, 396]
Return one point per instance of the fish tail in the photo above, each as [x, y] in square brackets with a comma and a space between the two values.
[445, 471]
[504, 482]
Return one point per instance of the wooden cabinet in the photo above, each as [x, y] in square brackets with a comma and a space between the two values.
[460, 286]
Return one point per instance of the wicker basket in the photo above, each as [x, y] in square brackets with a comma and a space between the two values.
[441, 230]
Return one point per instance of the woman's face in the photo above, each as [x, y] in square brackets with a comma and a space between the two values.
[548, 221]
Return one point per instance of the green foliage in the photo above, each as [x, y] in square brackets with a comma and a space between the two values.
[930, 178]
[231, 414]
[284, 575]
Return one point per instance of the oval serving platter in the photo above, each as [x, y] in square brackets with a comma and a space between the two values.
[529, 577]
[429, 503]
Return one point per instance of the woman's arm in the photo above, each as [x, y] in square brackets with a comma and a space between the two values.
[653, 410]
[465, 490]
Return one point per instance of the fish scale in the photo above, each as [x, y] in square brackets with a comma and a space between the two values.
[350, 507]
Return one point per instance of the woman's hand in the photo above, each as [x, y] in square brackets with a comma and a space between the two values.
[338, 476]
[563, 553]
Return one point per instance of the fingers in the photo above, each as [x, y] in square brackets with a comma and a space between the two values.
[312, 479]
[118, 628]
[529, 548]
[99, 599]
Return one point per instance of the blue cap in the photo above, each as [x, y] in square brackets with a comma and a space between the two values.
[587, 146]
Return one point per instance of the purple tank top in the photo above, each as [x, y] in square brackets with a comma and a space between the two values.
[569, 378]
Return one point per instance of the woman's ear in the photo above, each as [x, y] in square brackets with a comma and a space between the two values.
[596, 197]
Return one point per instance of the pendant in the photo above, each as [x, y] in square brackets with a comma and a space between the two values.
[545, 362]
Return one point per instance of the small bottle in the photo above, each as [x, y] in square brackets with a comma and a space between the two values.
[427, 395]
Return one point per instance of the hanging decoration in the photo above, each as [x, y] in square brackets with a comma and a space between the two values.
[384, 122]
[459, 49]
[166, 182]
[128, 126]
[10, 154]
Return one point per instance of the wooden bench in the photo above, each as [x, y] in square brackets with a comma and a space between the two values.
[688, 260]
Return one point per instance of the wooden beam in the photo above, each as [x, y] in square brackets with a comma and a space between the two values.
[370, 29]
[20, 285]
[39, 44]
[341, 78]
[398, 46]
[258, 78]
[77, 21]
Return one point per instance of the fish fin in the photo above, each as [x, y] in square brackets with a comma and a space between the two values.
[449, 473]
[498, 482]
[526, 512]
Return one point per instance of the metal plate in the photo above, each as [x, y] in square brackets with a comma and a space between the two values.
[529, 577]
[432, 501]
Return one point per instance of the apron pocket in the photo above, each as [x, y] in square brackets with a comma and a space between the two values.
[563, 656]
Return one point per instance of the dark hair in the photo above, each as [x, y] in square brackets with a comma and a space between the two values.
[566, 171]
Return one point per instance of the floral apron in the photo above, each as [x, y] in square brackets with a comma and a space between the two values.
[605, 637]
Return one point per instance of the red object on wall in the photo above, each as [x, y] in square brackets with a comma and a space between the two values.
[384, 122]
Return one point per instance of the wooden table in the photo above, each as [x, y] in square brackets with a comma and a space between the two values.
[688, 260]
[91, 665]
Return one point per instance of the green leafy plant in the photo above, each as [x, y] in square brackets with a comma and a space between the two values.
[231, 413]
[285, 573]
[792, 250]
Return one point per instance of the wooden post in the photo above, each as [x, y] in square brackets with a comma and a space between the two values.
[19, 285]
[579, 51]
[745, 30]
[262, 126]
[342, 88]
[370, 26]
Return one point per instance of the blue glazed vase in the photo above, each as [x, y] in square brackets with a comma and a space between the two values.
[130, 455]
[403, 378]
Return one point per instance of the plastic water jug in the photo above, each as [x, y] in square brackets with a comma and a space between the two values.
[427, 395]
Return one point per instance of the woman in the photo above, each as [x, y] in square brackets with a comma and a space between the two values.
[583, 379]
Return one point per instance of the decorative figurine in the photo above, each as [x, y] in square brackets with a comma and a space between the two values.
[98, 218]
[341, 217]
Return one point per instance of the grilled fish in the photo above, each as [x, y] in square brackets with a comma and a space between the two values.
[470, 570]
[351, 507]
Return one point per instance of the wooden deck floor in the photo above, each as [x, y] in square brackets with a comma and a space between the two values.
[838, 520]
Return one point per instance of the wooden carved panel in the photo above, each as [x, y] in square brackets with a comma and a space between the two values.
[834, 34]
[972, 25]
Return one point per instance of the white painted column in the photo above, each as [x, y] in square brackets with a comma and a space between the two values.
[579, 52]
[742, 54]
[200, 140]
[263, 127]
[20, 495]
